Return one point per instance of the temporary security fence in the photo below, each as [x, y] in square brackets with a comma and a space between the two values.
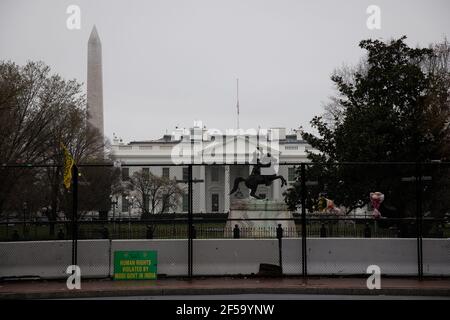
[316, 219]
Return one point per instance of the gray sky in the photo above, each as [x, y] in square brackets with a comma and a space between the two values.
[168, 63]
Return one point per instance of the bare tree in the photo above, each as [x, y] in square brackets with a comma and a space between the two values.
[85, 144]
[154, 194]
[334, 110]
[31, 102]
[38, 111]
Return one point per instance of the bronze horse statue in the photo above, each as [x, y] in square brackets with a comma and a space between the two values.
[256, 178]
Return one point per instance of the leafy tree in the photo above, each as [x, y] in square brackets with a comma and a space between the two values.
[393, 107]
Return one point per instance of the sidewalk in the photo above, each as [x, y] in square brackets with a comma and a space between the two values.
[228, 285]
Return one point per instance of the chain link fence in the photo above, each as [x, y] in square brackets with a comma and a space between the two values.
[316, 219]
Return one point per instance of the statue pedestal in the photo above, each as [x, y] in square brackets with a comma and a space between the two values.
[259, 209]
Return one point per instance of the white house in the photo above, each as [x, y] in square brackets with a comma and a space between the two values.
[226, 155]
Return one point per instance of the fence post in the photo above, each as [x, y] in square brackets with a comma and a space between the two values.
[419, 219]
[303, 194]
[190, 229]
[323, 231]
[280, 246]
[236, 232]
[194, 232]
[367, 231]
[74, 214]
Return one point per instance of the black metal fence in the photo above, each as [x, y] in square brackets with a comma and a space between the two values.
[324, 227]
[331, 201]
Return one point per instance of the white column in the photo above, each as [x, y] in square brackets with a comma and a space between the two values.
[226, 205]
[276, 186]
[202, 196]
[250, 168]
[276, 190]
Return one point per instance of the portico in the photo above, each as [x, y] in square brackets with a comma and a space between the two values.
[226, 157]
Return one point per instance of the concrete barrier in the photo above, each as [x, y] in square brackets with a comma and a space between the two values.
[231, 257]
[94, 257]
[436, 257]
[344, 256]
[49, 259]
[326, 256]
[352, 256]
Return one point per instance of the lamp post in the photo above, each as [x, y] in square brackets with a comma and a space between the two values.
[130, 200]
[114, 201]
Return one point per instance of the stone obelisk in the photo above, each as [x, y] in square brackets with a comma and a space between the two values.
[95, 82]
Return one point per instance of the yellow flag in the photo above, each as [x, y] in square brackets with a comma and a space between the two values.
[68, 164]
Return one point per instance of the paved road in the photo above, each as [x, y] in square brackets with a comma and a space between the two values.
[273, 297]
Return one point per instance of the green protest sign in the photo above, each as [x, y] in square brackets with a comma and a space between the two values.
[135, 265]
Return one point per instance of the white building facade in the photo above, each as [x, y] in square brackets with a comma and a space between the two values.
[218, 158]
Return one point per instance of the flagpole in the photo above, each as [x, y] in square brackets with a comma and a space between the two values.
[237, 98]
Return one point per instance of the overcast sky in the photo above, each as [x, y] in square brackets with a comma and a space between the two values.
[170, 62]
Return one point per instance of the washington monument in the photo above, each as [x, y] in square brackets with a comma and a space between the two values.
[95, 82]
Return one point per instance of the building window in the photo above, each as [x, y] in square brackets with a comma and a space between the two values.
[291, 174]
[185, 203]
[214, 174]
[125, 174]
[262, 195]
[125, 203]
[215, 202]
[185, 174]
[166, 172]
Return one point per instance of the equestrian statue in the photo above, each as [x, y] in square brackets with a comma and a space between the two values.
[256, 178]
